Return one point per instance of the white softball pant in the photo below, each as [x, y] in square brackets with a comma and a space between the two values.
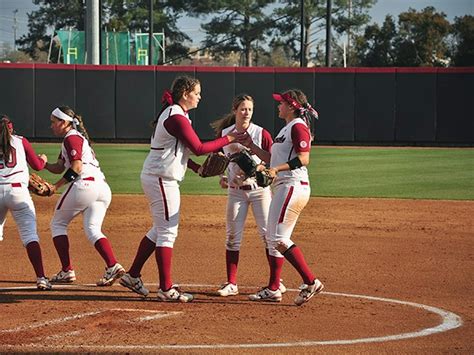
[89, 197]
[165, 200]
[238, 203]
[16, 198]
[288, 201]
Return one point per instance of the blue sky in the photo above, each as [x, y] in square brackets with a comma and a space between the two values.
[451, 8]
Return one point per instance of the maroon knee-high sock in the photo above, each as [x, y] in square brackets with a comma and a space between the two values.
[232, 262]
[163, 259]
[276, 264]
[33, 250]
[61, 243]
[105, 250]
[145, 249]
[296, 258]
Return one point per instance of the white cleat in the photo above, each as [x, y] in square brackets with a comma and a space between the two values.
[308, 291]
[174, 294]
[64, 277]
[265, 294]
[228, 289]
[111, 274]
[43, 284]
[135, 284]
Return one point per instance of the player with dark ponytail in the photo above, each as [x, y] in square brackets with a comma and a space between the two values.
[16, 153]
[87, 193]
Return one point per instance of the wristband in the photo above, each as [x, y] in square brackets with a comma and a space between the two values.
[70, 175]
[295, 163]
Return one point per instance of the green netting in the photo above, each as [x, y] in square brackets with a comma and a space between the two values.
[141, 48]
[115, 47]
[72, 46]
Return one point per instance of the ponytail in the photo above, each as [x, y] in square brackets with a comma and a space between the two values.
[6, 128]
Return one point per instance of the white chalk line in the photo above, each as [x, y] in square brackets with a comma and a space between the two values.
[157, 314]
[449, 321]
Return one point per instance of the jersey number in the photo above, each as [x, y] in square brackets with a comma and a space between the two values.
[11, 162]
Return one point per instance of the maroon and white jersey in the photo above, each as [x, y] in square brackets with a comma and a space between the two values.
[16, 168]
[260, 137]
[76, 147]
[292, 139]
[168, 155]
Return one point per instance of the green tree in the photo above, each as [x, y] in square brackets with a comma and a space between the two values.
[127, 15]
[376, 47]
[348, 17]
[235, 26]
[422, 38]
[463, 48]
[51, 15]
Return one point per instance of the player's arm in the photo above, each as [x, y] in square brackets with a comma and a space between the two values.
[179, 127]
[264, 152]
[55, 168]
[70, 175]
[193, 165]
[37, 162]
[301, 138]
[73, 146]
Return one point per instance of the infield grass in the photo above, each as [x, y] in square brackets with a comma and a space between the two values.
[419, 173]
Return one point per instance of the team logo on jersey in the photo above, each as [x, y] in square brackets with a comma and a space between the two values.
[303, 144]
[279, 139]
[73, 153]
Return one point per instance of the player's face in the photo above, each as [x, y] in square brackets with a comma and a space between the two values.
[191, 99]
[244, 111]
[285, 111]
[59, 127]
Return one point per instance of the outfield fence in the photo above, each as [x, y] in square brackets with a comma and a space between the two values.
[388, 106]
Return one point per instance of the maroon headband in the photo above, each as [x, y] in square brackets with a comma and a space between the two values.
[288, 99]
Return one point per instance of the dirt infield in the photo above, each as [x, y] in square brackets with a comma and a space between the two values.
[398, 276]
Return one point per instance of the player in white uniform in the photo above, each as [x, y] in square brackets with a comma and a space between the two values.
[291, 192]
[243, 191]
[15, 155]
[87, 193]
[172, 142]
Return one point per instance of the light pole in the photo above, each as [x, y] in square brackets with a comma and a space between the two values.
[150, 34]
[15, 26]
[302, 59]
[328, 33]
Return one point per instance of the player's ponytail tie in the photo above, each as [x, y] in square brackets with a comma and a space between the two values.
[167, 98]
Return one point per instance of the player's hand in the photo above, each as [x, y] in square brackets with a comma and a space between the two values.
[235, 136]
[245, 139]
[43, 157]
[223, 181]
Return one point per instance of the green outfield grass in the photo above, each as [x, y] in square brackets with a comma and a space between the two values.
[420, 173]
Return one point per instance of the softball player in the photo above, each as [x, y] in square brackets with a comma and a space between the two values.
[15, 155]
[291, 192]
[87, 193]
[242, 191]
[172, 142]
